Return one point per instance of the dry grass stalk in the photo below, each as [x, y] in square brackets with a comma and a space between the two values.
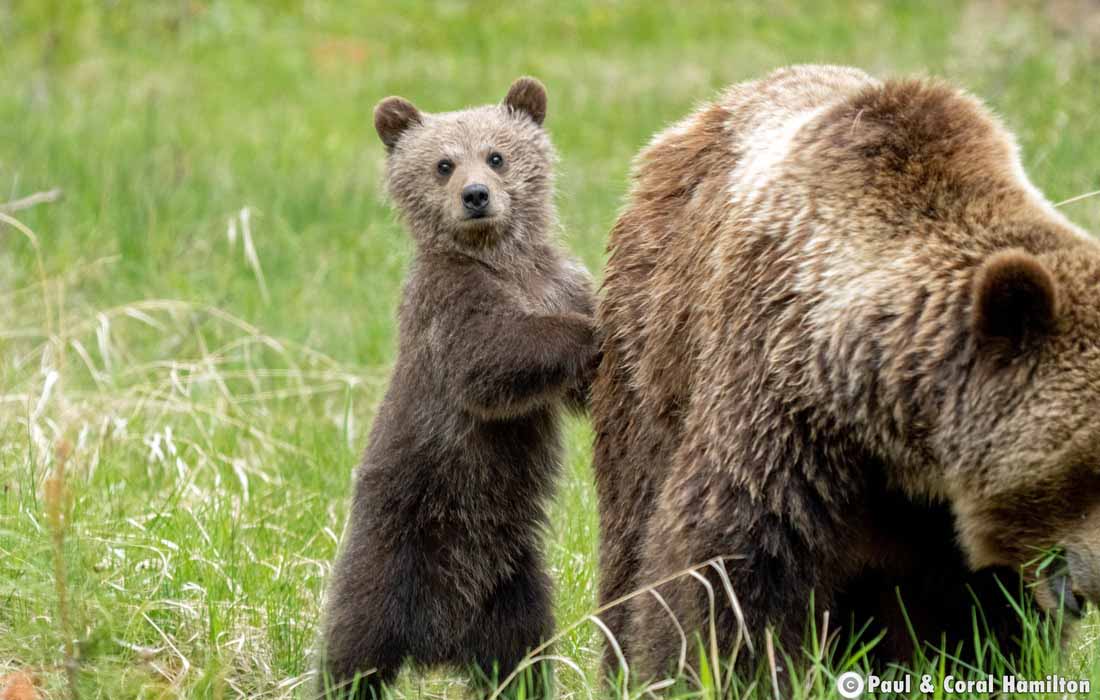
[56, 513]
[537, 653]
[31, 201]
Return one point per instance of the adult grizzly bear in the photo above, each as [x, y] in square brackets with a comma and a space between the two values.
[849, 346]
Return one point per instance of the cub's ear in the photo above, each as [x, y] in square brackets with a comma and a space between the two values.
[1015, 299]
[392, 116]
[528, 96]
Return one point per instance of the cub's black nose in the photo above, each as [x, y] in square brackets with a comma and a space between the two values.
[475, 198]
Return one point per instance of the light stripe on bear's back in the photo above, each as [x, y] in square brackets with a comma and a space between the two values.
[767, 148]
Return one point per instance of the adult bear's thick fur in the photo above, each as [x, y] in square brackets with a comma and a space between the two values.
[849, 346]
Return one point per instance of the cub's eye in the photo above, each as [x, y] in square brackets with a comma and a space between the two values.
[495, 160]
[444, 167]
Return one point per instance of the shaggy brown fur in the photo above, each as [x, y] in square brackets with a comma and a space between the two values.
[441, 562]
[850, 346]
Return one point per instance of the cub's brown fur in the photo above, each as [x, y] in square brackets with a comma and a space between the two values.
[441, 562]
[848, 345]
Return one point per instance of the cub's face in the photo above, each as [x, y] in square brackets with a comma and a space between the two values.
[471, 178]
[1026, 486]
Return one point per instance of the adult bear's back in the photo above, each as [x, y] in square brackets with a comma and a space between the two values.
[664, 249]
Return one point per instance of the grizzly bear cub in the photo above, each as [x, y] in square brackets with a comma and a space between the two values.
[441, 563]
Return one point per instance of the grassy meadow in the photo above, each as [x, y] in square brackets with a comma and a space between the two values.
[195, 336]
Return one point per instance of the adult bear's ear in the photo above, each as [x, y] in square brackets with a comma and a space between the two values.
[392, 116]
[528, 96]
[1015, 300]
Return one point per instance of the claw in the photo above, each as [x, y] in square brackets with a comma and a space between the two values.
[1061, 588]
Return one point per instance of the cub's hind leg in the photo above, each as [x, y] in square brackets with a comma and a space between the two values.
[517, 618]
[364, 639]
[357, 661]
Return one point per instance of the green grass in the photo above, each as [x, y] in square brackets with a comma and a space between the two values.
[209, 405]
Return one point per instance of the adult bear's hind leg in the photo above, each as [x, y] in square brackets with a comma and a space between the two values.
[627, 446]
[776, 574]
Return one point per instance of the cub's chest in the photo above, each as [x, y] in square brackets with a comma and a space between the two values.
[543, 292]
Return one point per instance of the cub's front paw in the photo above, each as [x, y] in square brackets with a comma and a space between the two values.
[589, 354]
